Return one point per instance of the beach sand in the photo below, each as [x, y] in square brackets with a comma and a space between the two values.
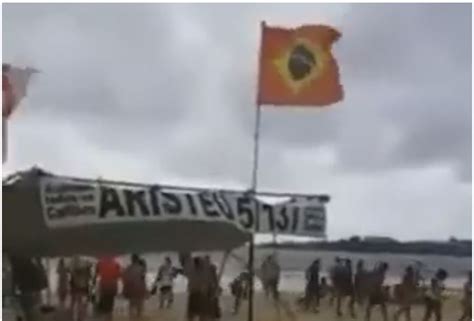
[266, 311]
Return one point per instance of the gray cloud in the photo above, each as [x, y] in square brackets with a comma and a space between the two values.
[167, 93]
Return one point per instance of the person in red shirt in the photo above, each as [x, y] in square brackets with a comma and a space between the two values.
[108, 273]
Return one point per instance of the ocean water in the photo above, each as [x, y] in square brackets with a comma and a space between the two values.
[295, 262]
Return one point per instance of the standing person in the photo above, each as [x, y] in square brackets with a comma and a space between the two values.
[134, 287]
[239, 288]
[7, 280]
[405, 293]
[312, 286]
[165, 276]
[142, 262]
[270, 272]
[433, 299]
[198, 287]
[29, 279]
[81, 276]
[343, 286]
[108, 273]
[335, 272]
[359, 290]
[63, 282]
[324, 288]
[214, 288]
[377, 294]
[346, 288]
[467, 299]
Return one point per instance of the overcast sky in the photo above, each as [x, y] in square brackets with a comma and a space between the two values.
[165, 94]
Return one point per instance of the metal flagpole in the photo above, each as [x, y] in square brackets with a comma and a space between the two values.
[257, 213]
[253, 188]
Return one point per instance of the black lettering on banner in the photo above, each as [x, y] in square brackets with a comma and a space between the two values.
[314, 219]
[61, 198]
[136, 197]
[223, 205]
[52, 214]
[296, 217]
[271, 219]
[207, 205]
[87, 198]
[282, 220]
[110, 202]
[155, 205]
[244, 210]
[69, 210]
[192, 204]
[172, 205]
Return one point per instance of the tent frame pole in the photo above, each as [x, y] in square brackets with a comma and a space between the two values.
[323, 198]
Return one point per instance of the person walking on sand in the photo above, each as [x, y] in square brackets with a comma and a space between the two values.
[377, 293]
[134, 287]
[359, 291]
[270, 273]
[467, 299]
[108, 273]
[343, 286]
[434, 296]
[334, 275]
[29, 279]
[63, 283]
[239, 288]
[312, 286]
[81, 276]
[198, 287]
[7, 281]
[405, 293]
[214, 291]
[165, 276]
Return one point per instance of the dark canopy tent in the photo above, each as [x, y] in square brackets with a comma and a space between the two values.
[25, 232]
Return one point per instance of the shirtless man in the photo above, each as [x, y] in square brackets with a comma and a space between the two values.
[433, 299]
[405, 293]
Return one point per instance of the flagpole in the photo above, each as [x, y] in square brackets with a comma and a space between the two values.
[254, 185]
[257, 213]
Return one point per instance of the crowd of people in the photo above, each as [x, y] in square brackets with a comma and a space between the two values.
[366, 287]
[82, 285]
[363, 287]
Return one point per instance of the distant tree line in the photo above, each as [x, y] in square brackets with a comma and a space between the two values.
[452, 247]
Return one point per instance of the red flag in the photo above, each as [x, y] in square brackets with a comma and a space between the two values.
[14, 87]
[297, 67]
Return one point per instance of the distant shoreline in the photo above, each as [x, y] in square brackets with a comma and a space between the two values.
[451, 248]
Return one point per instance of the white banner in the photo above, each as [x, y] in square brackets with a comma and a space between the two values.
[70, 203]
